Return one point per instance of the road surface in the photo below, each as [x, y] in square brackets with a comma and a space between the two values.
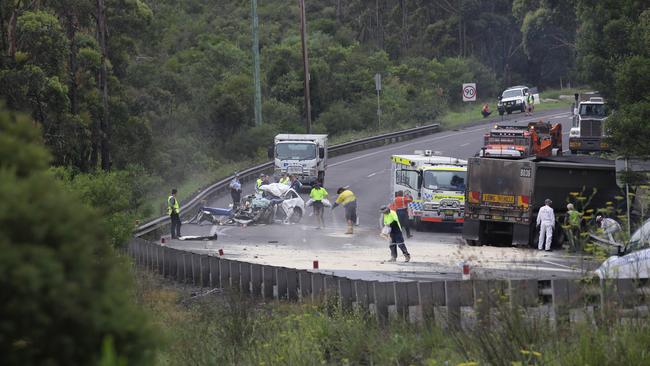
[437, 253]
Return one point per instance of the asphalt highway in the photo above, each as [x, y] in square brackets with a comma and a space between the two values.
[437, 252]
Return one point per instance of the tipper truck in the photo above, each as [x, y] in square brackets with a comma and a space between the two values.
[503, 196]
[302, 155]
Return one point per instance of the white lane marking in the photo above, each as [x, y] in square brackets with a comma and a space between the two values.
[566, 114]
[375, 173]
[559, 265]
[465, 144]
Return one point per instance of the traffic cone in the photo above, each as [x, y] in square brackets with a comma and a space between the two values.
[221, 252]
[315, 264]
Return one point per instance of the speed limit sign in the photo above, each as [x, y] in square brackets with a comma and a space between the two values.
[469, 92]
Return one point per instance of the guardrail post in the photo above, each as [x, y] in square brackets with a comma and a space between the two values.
[304, 285]
[204, 264]
[280, 288]
[244, 277]
[180, 266]
[361, 296]
[292, 284]
[268, 281]
[196, 269]
[400, 299]
[414, 309]
[331, 288]
[317, 287]
[224, 273]
[452, 296]
[214, 272]
[156, 257]
[235, 274]
[256, 279]
[345, 293]
[380, 293]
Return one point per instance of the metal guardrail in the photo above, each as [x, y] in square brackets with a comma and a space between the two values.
[251, 173]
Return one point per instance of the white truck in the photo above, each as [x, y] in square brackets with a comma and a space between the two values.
[436, 183]
[588, 132]
[302, 155]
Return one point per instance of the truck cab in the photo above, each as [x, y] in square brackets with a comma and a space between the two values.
[539, 139]
[303, 155]
[436, 183]
[588, 132]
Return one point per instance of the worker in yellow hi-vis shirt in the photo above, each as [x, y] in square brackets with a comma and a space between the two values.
[318, 194]
[349, 201]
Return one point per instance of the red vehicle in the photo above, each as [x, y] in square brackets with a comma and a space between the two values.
[540, 139]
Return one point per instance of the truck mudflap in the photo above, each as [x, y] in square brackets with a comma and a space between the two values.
[521, 235]
[471, 230]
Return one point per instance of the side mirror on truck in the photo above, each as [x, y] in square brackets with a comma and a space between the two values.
[270, 152]
[321, 153]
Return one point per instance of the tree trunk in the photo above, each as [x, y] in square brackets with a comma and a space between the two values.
[11, 33]
[405, 34]
[72, 25]
[104, 125]
[338, 11]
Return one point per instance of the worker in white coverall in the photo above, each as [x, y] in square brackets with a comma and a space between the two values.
[545, 223]
[610, 226]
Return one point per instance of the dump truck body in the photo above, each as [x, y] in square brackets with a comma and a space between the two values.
[504, 196]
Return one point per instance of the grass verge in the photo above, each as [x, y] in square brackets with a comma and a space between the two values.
[229, 329]
[470, 112]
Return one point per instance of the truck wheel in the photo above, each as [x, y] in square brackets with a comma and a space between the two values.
[321, 178]
[522, 109]
[574, 152]
[509, 112]
[471, 243]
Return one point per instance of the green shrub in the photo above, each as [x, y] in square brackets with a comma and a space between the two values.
[63, 291]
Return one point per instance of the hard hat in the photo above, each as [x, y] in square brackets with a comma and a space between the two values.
[599, 218]
[384, 209]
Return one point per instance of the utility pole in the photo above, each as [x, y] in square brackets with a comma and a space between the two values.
[256, 64]
[305, 62]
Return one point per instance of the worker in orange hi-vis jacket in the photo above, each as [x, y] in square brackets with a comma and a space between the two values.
[401, 205]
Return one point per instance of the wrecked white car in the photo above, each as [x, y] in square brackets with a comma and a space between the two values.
[275, 202]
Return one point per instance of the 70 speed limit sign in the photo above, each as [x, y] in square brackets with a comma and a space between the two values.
[469, 92]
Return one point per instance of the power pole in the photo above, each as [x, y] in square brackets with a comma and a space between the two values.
[305, 62]
[256, 64]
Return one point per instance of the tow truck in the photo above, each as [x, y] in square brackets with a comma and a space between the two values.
[436, 183]
[540, 139]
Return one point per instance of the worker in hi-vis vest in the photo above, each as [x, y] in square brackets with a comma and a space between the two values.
[174, 210]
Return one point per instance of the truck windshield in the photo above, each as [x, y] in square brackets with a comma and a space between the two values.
[511, 93]
[295, 151]
[446, 180]
[593, 110]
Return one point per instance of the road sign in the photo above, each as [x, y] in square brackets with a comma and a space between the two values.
[377, 81]
[469, 92]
